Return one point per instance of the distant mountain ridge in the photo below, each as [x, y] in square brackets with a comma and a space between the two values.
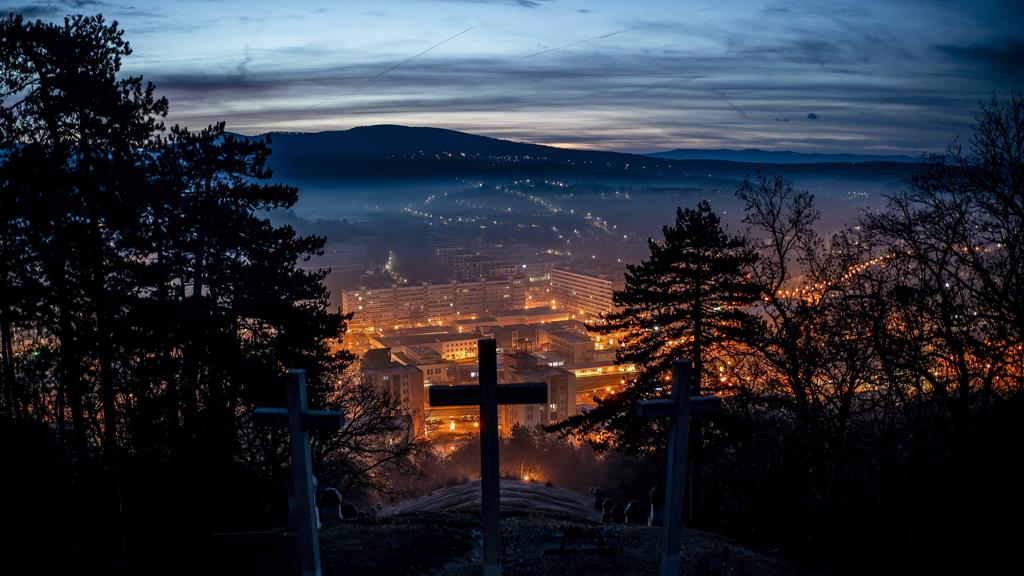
[403, 152]
[392, 139]
[754, 155]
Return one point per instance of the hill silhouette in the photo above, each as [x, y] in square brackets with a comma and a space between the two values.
[776, 156]
[391, 139]
[402, 152]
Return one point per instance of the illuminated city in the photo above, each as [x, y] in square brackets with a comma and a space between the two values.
[511, 287]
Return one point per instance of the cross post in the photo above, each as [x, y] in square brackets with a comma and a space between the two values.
[300, 420]
[677, 409]
[488, 395]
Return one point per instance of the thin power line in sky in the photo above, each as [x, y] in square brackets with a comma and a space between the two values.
[584, 41]
[380, 75]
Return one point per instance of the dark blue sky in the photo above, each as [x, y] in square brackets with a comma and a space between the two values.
[863, 76]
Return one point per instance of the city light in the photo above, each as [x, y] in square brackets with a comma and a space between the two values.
[816, 303]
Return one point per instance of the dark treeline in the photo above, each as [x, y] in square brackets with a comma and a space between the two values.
[872, 379]
[146, 305]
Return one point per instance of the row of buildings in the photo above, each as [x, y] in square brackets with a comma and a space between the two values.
[431, 303]
[414, 337]
[409, 383]
[583, 296]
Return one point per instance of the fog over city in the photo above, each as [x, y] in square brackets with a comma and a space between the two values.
[520, 287]
[540, 204]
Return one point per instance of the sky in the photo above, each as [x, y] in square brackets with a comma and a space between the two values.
[631, 75]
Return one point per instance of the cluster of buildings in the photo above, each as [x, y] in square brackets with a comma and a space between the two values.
[414, 337]
[559, 353]
[408, 374]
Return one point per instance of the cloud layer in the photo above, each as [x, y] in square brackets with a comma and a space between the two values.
[810, 76]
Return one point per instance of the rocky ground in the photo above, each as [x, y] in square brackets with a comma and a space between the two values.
[545, 532]
[448, 544]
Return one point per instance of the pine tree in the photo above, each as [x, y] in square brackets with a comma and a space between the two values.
[74, 178]
[147, 297]
[688, 300]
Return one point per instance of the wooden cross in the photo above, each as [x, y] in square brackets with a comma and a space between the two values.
[678, 409]
[300, 420]
[488, 395]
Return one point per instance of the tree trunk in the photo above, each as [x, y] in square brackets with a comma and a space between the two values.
[6, 333]
[696, 447]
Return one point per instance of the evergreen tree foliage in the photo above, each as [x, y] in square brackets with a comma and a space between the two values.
[687, 301]
[148, 306]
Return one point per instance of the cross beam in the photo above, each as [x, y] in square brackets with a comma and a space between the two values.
[668, 407]
[522, 393]
[312, 419]
[488, 395]
[300, 420]
[677, 409]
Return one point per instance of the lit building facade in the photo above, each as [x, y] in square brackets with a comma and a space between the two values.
[589, 295]
[574, 347]
[431, 304]
[524, 367]
[599, 378]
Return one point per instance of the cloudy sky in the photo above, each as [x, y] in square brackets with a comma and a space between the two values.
[634, 75]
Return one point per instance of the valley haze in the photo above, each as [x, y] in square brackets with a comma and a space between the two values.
[424, 183]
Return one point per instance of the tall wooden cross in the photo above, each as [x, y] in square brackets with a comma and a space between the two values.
[678, 409]
[300, 420]
[488, 395]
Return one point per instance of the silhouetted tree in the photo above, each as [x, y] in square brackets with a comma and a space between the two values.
[376, 445]
[149, 304]
[957, 244]
[948, 333]
[80, 135]
[688, 300]
[814, 350]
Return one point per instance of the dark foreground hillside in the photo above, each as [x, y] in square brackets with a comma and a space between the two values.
[544, 532]
[448, 544]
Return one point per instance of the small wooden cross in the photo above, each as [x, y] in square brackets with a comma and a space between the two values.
[488, 395]
[678, 409]
[300, 420]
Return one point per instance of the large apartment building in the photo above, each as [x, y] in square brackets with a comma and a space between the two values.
[443, 303]
[588, 295]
